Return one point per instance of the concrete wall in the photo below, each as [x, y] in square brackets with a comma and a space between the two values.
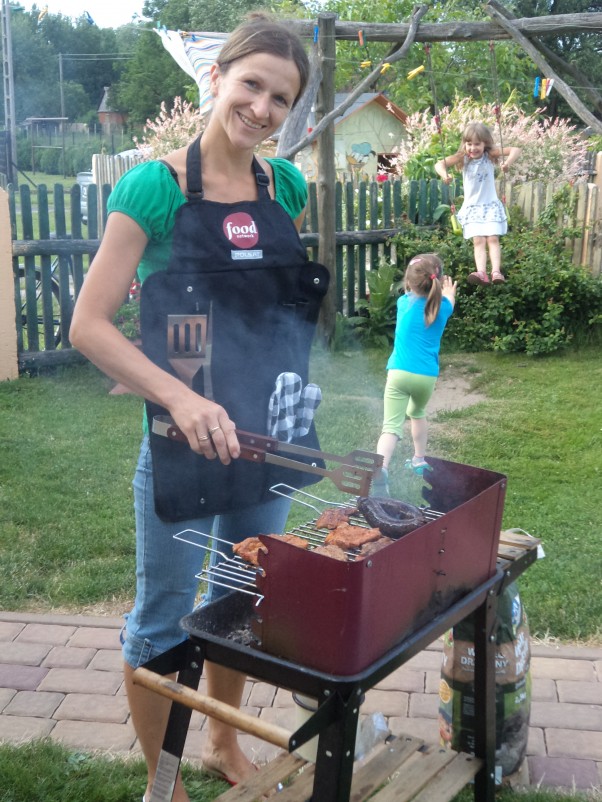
[8, 334]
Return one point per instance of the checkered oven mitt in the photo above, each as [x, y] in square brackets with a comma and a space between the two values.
[291, 408]
[282, 406]
[311, 396]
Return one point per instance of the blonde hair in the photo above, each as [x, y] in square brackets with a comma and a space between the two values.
[259, 33]
[480, 132]
[423, 277]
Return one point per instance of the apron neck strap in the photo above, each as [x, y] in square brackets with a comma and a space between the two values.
[194, 176]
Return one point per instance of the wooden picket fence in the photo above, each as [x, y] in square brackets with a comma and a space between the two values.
[52, 247]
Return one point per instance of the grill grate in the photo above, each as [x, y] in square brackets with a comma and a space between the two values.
[233, 573]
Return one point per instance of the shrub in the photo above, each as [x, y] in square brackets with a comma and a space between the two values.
[170, 130]
[375, 323]
[545, 304]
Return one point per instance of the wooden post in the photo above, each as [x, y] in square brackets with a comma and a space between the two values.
[326, 171]
[9, 366]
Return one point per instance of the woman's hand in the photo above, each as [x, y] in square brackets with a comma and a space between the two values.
[207, 426]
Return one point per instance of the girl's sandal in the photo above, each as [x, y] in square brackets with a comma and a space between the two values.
[478, 278]
[497, 277]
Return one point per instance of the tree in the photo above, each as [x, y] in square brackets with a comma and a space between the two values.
[152, 78]
[88, 59]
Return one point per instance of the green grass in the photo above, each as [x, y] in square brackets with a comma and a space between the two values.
[44, 771]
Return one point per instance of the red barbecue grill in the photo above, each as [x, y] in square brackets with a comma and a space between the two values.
[331, 630]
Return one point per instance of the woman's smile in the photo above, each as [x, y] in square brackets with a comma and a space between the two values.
[254, 96]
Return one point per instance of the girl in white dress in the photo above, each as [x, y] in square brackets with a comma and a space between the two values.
[482, 215]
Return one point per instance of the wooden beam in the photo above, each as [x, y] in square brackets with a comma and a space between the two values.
[327, 173]
[363, 85]
[295, 127]
[499, 14]
[557, 25]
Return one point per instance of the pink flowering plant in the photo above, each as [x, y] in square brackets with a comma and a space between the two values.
[171, 129]
[551, 150]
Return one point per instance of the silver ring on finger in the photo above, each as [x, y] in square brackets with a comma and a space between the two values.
[203, 437]
[214, 429]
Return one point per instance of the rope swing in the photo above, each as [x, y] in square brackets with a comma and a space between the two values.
[455, 225]
[498, 117]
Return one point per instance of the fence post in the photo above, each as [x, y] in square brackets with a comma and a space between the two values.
[9, 366]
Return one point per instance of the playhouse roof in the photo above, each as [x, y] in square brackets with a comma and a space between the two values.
[364, 100]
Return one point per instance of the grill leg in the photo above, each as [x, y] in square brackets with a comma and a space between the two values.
[336, 748]
[177, 730]
[485, 693]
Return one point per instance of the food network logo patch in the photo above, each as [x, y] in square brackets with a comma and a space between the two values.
[241, 230]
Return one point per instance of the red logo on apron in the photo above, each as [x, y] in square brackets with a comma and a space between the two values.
[241, 230]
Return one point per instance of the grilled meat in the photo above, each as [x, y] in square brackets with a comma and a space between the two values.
[294, 540]
[347, 536]
[331, 551]
[334, 516]
[376, 545]
[248, 549]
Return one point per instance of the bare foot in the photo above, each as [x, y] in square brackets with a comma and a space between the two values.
[232, 764]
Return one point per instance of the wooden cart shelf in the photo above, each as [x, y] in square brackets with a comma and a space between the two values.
[407, 769]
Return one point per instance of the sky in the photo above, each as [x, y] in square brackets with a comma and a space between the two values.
[105, 13]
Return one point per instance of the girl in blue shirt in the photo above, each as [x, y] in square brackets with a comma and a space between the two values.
[413, 367]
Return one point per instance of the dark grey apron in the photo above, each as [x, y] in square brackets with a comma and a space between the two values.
[245, 265]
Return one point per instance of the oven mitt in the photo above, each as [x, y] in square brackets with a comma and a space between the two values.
[282, 407]
[309, 402]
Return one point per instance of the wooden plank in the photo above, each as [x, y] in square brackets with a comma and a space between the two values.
[519, 539]
[417, 773]
[350, 254]
[451, 780]
[362, 211]
[384, 763]
[511, 553]
[265, 780]
[301, 788]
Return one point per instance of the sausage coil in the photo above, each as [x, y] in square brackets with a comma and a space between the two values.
[394, 518]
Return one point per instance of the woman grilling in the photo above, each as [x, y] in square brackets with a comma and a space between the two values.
[211, 207]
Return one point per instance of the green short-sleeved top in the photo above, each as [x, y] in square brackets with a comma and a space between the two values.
[149, 195]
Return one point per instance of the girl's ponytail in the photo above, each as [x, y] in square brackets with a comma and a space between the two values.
[423, 276]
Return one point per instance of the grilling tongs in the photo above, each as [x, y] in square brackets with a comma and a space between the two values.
[353, 476]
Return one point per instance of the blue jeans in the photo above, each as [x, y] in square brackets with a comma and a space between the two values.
[166, 583]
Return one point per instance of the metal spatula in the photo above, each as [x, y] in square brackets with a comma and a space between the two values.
[189, 348]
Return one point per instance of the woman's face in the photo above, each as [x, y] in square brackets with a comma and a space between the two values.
[254, 96]
[474, 148]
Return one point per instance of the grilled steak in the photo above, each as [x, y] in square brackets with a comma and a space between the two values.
[347, 536]
[334, 516]
[331, 551]
[294, 540]
[248, 549]
[376, 545]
